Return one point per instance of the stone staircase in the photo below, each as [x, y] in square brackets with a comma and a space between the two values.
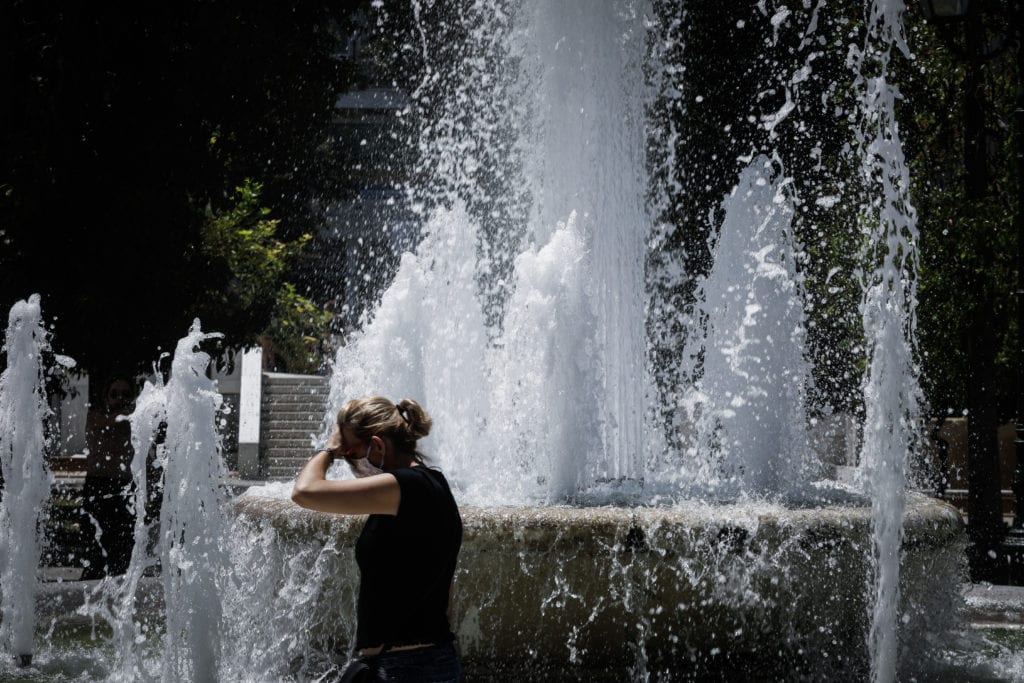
[291, 409]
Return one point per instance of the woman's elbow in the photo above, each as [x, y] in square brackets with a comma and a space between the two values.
[300, 495]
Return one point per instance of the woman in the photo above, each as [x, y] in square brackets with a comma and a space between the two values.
[408, 548]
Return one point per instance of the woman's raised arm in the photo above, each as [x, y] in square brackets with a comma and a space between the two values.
[378, 494]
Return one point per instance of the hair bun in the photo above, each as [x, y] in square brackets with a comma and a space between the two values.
[416, 419]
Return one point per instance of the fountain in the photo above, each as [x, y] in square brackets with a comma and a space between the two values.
[764, 570]
[596, 546]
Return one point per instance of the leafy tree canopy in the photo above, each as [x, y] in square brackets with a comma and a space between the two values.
[243, 238]
[121, 124]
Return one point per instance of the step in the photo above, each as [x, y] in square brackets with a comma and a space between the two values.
[308, 390]
[282, 473]
[297, 446]
[295, 389]
[308, 387]
[287, 437]
[290, 460]
[295, 416]
[279, 431]
[294, 411]
[280, 427]
[290, 399]
[294, 463]
[277, 378]
[290, 447]
[297, 420]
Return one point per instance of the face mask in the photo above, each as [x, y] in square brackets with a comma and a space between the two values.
[362, 467]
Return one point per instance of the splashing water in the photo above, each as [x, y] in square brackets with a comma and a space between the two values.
[26, 480]
[749, 398]
[585, 154]
[549, 403]
[116, 599]
[551, 406]
[555, 403]
[193, 553]
[891, 391]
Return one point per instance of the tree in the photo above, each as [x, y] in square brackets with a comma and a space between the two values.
[963, 94]
[257, 300]
[120, 124]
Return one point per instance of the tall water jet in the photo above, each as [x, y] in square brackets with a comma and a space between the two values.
[194, 548]
[427, 338]
[752, 374]
[543, 402]
[546, 418]
[538, 391]
[26, 479]
[891, 391]
[119, 596]
[193, 553]
[577, 268]
[585, 154]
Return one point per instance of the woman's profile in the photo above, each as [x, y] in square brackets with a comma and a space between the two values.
[408, 548]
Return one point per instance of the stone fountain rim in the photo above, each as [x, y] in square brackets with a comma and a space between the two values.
[927, 521]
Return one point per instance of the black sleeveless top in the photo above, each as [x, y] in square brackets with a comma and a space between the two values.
[406, 564]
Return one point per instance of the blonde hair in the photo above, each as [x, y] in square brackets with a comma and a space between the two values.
[404, 423]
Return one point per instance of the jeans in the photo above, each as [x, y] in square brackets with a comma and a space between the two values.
[434, 664]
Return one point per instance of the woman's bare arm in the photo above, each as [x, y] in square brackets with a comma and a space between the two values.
[378, 494]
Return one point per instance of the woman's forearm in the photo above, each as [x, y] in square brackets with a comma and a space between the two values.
[313, 471]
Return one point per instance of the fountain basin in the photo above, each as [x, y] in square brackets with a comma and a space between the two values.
[699, 589]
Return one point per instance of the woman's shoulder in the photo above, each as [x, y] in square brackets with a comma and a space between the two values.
[420, 475]
[425, 485]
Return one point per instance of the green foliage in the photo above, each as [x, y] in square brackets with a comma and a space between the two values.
[298, 331]
[968, 243]
[244, 238]
[119, 120]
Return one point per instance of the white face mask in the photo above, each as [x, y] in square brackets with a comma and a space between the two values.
[362, 467]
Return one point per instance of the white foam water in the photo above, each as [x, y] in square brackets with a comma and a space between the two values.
[551, 401]
[193, 549]
[748, 403]
[26, 479]
[194, 560]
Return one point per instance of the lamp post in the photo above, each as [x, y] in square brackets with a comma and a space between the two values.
[989, 550]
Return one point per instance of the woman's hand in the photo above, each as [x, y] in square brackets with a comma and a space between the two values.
[333, 444]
